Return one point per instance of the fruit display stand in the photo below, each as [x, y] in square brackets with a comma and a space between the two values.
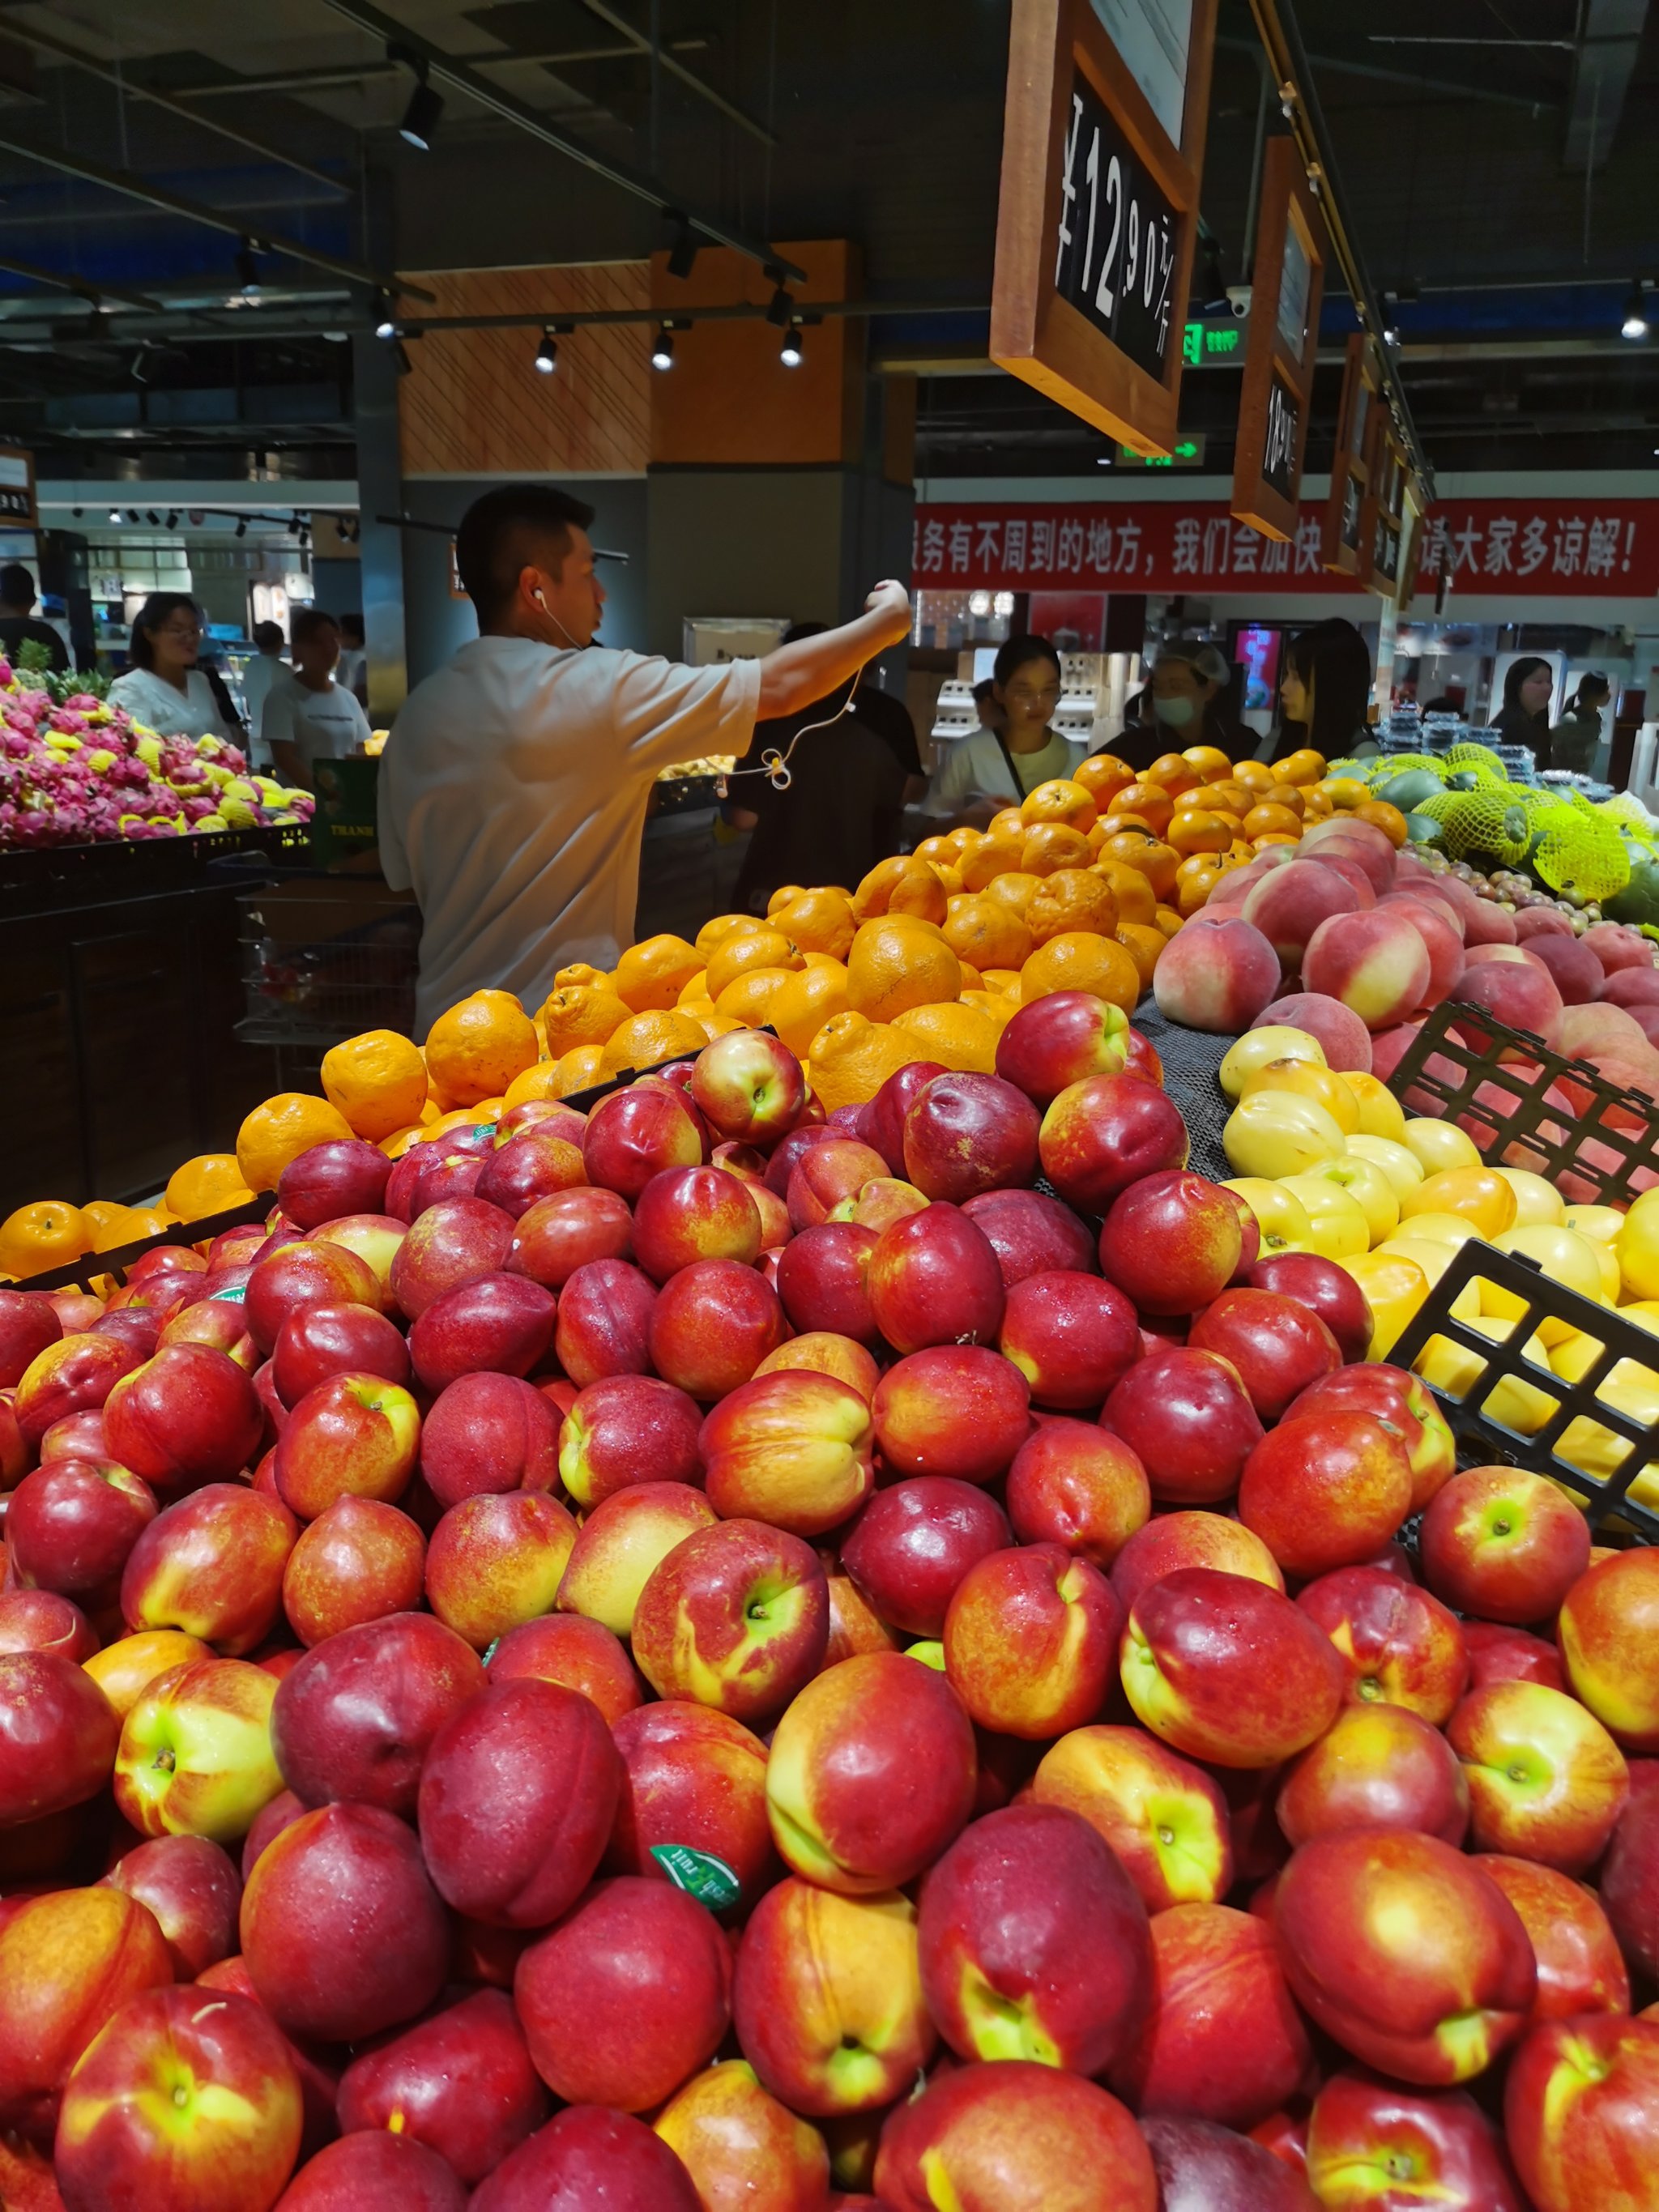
[324, 956]
[829, 1624]
[689, 859]
[119, 997]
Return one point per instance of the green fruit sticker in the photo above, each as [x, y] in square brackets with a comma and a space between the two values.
[233, 1296]
[699, 1873]
[490, 1651]
[485, 1128]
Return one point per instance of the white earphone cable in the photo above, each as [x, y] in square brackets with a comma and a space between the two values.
[774, 764]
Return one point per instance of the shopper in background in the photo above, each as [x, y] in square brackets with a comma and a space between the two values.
[984, 703]
[1325, 693]
[162, 686]
[1187, 696]
[258, 673]
[842, 810]
[1524, 717]
[18, 624]
[353, 671]
[515, 786]
[1574, 738]
[307, 716]
[991, 768]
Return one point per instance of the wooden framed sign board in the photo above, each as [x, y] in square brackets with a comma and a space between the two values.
[1287, 286]
[1344, 545]
[1383, 518]
[1103, 151]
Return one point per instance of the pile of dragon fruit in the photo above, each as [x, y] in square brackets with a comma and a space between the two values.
[81, 771]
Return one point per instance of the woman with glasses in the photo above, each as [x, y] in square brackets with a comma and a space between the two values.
[162, 686]
[991, 768]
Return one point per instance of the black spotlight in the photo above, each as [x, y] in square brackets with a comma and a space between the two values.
[247, 269]
[241, 527]
[547, 354]
[781, 308]
[385, 324]
[791, 352]
[115, 514]
[425, 110]
[132, 515]
[400, 354]
[682, 254]
[152, 518]
[172, 518]
[662, 353]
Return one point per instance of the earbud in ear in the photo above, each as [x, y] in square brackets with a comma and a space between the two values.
[541, 601]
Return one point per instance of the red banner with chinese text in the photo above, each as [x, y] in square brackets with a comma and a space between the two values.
[1597, 548]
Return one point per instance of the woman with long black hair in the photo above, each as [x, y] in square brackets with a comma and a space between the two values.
[1524, 717]
[1325, 692]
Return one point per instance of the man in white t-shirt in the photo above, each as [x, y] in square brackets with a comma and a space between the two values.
[515, 786]
[258, 674]
[307, 716]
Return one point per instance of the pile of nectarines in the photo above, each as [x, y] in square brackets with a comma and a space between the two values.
[704, 1655]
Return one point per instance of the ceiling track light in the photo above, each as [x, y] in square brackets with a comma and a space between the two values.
[425, 110]
[152, 518]
[781, 308]
[132, 515]
[547, 354]
[662, 351]
[400, 354]
[682, 254]
[172, 518]
[791, 353]
[385, 323]
[247, 269]
[115, 514]
[241, 527]
[1635, 322]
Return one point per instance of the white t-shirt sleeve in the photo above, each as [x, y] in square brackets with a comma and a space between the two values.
[278, 723]
[664, 711]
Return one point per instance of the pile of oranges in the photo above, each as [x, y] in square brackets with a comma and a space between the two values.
[1078, 888]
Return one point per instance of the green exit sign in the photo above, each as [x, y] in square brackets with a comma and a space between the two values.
[1213, 344]
[1188, 454]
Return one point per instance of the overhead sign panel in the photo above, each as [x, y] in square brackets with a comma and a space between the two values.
[1102, 149]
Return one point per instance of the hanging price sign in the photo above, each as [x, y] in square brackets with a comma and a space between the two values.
[1102, 149]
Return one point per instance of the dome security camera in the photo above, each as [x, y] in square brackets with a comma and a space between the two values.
[1238, 299]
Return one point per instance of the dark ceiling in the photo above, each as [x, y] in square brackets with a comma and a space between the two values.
[1497, 158]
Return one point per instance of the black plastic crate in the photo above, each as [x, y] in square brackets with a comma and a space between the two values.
[1483, 1439]
[79, 1275]
[1504, 1105]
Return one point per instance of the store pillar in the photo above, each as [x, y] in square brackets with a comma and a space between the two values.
[773, 490]
[380, 543]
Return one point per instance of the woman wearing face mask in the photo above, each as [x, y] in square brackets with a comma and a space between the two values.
[1187, 693]
[1524, 717]
[1324, 693]
[991, 768]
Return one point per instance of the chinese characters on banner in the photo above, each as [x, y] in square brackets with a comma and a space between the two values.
[1605, 549]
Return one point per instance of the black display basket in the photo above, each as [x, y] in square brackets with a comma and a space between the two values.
[1503, 1106]
[1483, 1440]
[115, 1264]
